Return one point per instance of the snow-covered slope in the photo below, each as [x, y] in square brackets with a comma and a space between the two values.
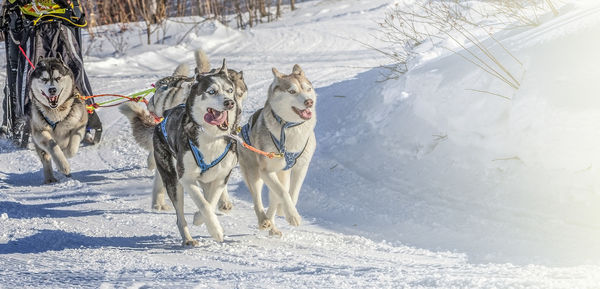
[504, 180]
[416, 182]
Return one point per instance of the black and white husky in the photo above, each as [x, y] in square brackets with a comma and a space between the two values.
[58, 115]
[172, 91]
[193, 152]
[284, 125]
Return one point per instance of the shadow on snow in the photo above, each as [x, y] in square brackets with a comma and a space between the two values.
[57, 240]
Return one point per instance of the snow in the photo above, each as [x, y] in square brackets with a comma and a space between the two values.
[417, 182]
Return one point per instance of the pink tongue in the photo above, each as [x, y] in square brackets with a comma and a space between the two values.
[216, 117]
[306, 114]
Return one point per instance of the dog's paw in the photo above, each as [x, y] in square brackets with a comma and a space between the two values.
[161, 207]
[294, 219]
[265, 224]
[190, 243]
[216, 231]
[50, 180]
[213, 226]
[198, 219]
[275, 233]
[225, 207]
[64, 168]
[292, 216]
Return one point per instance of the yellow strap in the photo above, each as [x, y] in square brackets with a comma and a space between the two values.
[35, 22]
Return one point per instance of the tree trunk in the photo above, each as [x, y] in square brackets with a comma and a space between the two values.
[292, 4]
[250, 8]
[149, 32]
[278, 14]
[261, 8]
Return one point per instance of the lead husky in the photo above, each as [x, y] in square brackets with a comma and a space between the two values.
[286, 125]
[172, 91]
[58, 115]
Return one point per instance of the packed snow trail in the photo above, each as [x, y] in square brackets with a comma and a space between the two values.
[96, 229]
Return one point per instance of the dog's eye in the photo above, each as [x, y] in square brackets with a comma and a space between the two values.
[57, 79]
[45, 79]
[291, 91]
[211, 91]
[309, 89]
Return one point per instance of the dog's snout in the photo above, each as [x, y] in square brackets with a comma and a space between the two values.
[228, 104]
[309, 103]
[52, 90]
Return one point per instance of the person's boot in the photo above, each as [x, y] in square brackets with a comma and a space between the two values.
[93, 130]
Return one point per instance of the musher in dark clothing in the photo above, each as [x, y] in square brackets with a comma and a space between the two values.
[32, 30]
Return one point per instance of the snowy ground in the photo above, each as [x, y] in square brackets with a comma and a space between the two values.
[416, 183]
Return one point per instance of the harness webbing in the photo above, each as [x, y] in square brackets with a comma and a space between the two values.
[200, 159]
[51, 123]
[290, 157]
[195, 151]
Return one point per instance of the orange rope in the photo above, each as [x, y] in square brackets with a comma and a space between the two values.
[270, 155]
[266, 154]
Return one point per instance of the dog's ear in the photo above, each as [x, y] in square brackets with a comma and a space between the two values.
[297, 70]
[223, 69]
[276, 73]
[39, 62]
[241, 73]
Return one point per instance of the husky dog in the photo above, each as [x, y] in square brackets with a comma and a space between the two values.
[193, 152]
[172, 91]
[286, 125]
[58, 115]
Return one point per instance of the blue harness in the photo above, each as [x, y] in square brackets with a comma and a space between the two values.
[290, 157]
[51, 123]
[195, 151]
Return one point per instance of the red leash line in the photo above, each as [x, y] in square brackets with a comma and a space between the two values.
[26, 57]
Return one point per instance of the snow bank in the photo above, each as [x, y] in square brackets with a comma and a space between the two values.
[443, 166]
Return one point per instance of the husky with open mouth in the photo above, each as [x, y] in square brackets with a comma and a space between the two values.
[172, 91]
[58, 115]
[193, 152]
[284, 125]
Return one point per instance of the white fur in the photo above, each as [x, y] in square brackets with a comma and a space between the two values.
[284, 185]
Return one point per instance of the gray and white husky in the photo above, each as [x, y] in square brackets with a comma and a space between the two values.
[172, 91]
[193, 152]
[58, 115]
[285, 125]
